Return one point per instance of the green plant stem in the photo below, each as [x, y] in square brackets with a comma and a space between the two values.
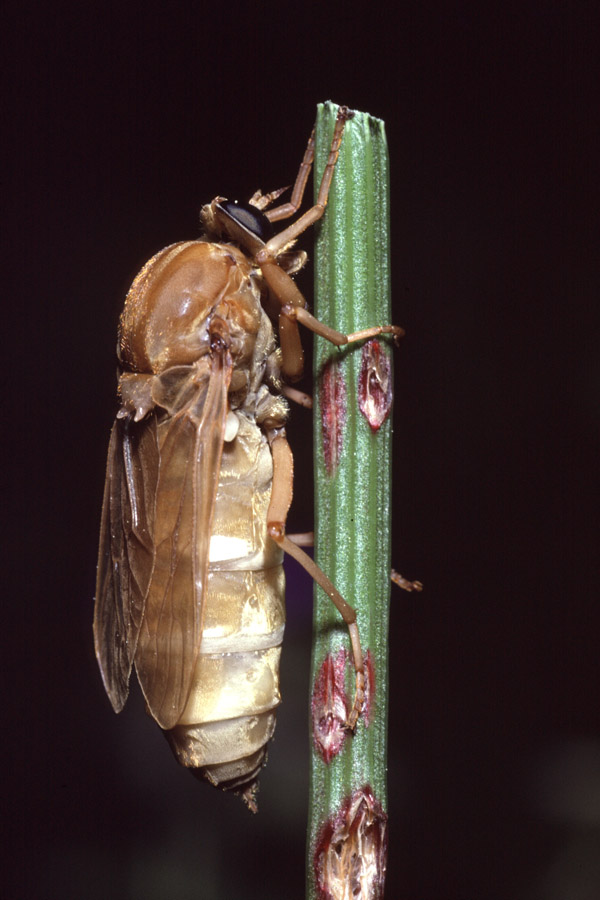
[352, 505]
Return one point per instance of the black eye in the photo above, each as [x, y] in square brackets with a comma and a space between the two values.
[249, 217]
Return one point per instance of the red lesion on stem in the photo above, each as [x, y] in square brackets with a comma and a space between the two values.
[330, 706]
[332, 394]
[330, 702]
[375, 392]
[351, 851]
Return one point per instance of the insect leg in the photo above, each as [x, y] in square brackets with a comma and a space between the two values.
[347, 613]
[303, 539]
[261, 201]
[288, 209]
[404, 583]
[293, 311]
[279, 281]
[288, 295]
[336, 337]
[296, 396]
[312, 215]
[281, 498]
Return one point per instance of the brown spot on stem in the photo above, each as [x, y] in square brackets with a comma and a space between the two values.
[351, 851]
[330, 706]
[332, 392]
[375, 385]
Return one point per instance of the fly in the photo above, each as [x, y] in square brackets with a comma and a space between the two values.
[190, 585]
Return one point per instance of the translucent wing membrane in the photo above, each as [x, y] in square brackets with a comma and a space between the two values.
[190, 457]
[126, 551]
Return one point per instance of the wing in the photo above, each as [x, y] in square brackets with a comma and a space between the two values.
[126, 554]
[190, 460]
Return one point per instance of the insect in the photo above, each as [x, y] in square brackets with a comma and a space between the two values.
[190, 585]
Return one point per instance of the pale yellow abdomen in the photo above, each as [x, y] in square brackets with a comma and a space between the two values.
[230, 714]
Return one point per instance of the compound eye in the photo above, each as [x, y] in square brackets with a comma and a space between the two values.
[249, 218]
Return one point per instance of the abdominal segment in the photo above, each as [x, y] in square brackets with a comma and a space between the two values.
[229, 717]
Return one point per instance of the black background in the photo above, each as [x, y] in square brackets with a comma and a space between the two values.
[121, 120]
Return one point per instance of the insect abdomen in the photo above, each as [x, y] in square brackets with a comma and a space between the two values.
[230, 714]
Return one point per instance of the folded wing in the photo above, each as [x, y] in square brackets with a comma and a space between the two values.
[126, 555]
[191, 443]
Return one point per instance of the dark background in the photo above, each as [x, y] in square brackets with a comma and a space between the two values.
[122, 119]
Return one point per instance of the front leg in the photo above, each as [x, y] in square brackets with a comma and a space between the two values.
[280, 283]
